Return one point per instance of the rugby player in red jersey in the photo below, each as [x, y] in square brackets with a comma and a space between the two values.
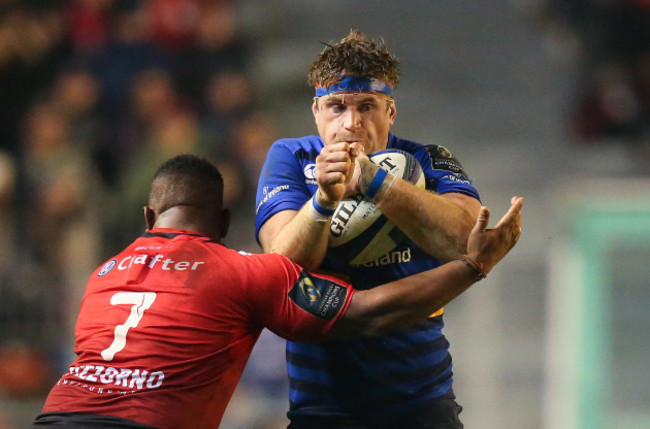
[167, 326]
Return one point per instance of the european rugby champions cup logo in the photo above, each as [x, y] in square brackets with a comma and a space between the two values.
[444, 152]
[320, 297]
[309, 290]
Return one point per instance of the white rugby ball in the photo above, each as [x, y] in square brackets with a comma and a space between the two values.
[359, 232]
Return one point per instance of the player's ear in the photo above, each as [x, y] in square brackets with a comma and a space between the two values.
[224, 222]
[314, 107]
[149, 217]
[392, 112]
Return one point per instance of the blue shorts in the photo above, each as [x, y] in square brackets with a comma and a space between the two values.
[441, 414]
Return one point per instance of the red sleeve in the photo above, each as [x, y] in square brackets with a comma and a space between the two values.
[293, 303]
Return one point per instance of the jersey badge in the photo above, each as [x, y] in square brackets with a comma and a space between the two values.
[107, 268]
[310, 174]
[321, 297]
[443, 159]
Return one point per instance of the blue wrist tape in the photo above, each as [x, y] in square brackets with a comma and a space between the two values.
[376, 183]
[320, 209]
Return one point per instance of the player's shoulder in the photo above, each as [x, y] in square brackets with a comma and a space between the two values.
[413, 147]
[296, 144]
[261, 267]
[246, 257]
[437, 156]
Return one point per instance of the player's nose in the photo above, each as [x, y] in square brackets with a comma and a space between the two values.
[352, 119]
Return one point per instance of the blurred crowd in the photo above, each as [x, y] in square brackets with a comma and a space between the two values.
[612, 40]
[94, 95]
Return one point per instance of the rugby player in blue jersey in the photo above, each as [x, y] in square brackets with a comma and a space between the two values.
[401, 380]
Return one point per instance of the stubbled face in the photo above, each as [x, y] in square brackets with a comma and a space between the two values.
[364, 118]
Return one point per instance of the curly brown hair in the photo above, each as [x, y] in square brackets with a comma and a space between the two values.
[355, 55]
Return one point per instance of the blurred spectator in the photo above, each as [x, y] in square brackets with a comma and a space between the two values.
[614, 36]
[252, 139]
[33, 43]
[168, 134]
[218, 47]
[77, 93]
[173, 22]
[610, 107]
[24, 370]
[151, 99]
[227, 128]
[248, 143]
[61, 195]
[7, 190]
[89, 24]
[227, 98]
[25, 306]
[128, 51]
[95, 94]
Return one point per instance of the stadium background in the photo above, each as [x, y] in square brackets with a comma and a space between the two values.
[549, 99]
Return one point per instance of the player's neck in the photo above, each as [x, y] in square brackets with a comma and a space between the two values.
[186, 218]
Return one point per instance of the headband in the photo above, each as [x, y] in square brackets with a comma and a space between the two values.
[355, 84]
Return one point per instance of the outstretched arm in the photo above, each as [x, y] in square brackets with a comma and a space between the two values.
[411, 299]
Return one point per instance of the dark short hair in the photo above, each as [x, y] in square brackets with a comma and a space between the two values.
[355, 55]
[186, 180]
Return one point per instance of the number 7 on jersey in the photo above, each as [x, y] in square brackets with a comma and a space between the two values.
[140, 302]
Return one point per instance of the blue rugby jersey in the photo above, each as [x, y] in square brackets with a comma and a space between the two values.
[379, 375]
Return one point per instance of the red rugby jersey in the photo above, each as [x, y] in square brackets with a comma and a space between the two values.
[167, 326]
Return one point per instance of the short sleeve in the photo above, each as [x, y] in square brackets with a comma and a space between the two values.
[293, 303]
[444, 172]
[281, 185]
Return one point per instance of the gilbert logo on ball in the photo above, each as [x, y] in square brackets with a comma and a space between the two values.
[359, 232]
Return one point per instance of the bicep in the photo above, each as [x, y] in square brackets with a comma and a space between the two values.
[307, 307]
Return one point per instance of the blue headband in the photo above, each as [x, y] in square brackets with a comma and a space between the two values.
[354, 84]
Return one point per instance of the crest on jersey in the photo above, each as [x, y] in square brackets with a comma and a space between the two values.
[310, 171]
[321, 297]
[443, 159]
[309, 290]
[107, 268]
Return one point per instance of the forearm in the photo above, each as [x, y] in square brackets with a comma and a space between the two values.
[406, 301]
[438, 225]
[302, 238]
